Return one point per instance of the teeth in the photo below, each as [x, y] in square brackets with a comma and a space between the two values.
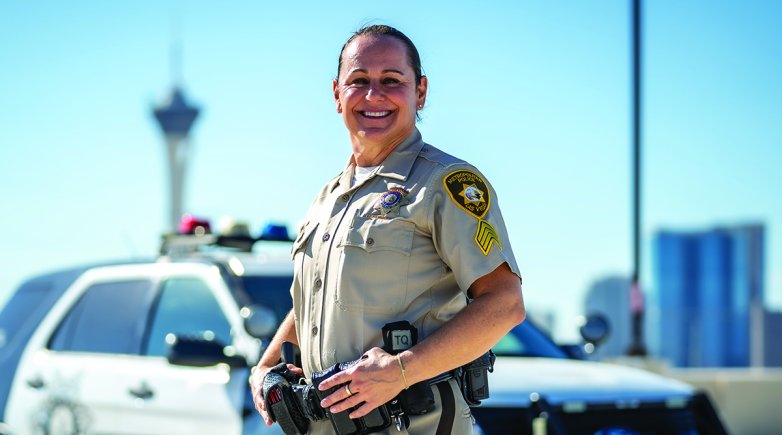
[377, 114]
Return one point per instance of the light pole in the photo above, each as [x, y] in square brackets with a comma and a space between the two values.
[637, 347]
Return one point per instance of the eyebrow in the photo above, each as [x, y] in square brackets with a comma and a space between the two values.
[362, 70]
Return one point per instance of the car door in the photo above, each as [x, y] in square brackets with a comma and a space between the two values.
[76, 372]
[97, 363]
[181, 399]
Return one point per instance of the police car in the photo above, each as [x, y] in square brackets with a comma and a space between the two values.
[142, 347]
[164, 346]
[540, 388]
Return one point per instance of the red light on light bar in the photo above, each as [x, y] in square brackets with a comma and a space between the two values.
[190, 224]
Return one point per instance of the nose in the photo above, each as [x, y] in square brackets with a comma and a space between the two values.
[375, 91]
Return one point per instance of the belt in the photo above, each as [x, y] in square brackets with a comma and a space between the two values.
[444, 377]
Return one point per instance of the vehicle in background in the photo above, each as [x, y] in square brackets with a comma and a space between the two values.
[158, 346]
[540, 388]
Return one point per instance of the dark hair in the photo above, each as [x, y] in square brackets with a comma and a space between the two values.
[413, 59]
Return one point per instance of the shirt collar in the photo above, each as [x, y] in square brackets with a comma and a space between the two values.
[397, 165]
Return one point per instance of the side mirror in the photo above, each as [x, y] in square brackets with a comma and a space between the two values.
[594, 329]
[259, 321]
[200, 352]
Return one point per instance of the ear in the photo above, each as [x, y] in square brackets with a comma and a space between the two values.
[422, 88]
[335, 89]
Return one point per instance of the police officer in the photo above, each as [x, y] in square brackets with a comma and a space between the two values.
[405, 232]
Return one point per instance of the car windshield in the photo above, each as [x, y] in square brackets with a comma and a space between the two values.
[527, 340]
[19, 309]
[272, 292]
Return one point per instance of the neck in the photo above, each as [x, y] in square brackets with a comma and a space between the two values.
[371, 156]
[373, 153]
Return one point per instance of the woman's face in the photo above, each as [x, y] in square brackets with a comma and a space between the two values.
[376, 91]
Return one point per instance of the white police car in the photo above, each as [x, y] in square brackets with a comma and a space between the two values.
[163, 346]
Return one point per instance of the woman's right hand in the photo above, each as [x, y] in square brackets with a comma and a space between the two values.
[256, 385]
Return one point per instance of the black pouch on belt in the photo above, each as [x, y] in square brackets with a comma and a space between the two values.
[474, 378]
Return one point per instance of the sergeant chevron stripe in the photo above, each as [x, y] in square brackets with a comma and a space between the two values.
[485, 236]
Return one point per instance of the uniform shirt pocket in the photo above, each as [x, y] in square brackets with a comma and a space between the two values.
[374, 265]
[373, 235]
[302, 238]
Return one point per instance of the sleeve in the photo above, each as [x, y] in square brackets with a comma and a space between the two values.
[468, 230]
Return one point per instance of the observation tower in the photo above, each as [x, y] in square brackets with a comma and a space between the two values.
[176, 116]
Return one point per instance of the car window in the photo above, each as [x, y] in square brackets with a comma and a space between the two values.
[273, 292]
[186, 306]
[108, 318]
[526, 340]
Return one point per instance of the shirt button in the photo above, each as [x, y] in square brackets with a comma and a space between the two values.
[345, 197]
[318, 284]
[314, 330]
[370, 241]
[326, 237]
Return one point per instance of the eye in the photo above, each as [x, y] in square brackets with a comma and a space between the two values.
[391, 81]
[359, 81]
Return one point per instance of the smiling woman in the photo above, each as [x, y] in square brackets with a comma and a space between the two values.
[406, 233]
[378, 92]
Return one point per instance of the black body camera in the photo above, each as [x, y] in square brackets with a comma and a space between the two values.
[418, 399]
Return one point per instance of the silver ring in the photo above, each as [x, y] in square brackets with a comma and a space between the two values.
[347, 388]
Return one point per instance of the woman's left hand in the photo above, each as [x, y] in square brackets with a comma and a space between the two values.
[373, 381]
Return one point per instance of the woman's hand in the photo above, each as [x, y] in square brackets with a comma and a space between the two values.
[373, 381]
[256, 385]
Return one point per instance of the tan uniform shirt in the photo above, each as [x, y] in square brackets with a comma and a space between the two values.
[405, 244]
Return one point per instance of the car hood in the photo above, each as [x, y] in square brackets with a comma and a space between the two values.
[561, 380]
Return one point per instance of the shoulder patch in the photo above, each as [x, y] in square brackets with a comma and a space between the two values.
[485, 236]
[468, 190]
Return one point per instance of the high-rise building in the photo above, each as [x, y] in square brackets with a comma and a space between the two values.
[710, 296]
[610, 297]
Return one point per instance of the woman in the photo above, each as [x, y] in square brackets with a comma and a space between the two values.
[405, 232]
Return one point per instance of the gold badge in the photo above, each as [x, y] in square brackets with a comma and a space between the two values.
[389, 203]
[468, 190]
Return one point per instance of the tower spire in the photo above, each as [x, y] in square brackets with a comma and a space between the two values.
[175, 116]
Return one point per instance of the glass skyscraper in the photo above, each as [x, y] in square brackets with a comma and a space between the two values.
[710, 296]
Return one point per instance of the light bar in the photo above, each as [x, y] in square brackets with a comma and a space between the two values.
[190, 224]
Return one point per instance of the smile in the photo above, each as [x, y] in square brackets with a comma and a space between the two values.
[382, 114]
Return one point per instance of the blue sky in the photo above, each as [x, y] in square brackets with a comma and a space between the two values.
[536, 94]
